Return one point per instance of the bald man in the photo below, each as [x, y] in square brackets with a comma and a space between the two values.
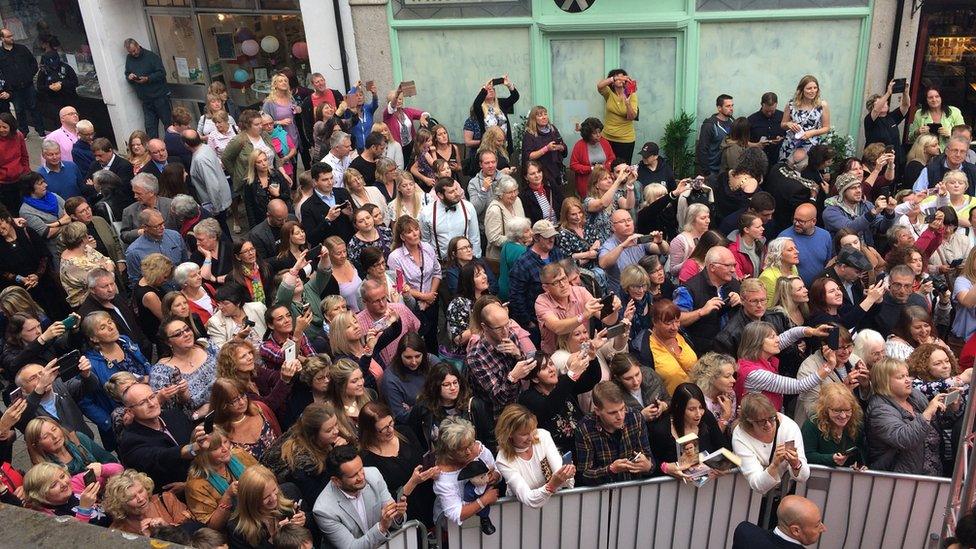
[813, 243]
[798, 524]
[266, 234]
[67, 134]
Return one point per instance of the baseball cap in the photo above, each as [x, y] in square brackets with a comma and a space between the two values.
[650, 149]
[544, 228]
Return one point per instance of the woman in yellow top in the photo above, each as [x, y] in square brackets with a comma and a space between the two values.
[782, 258]
[673, 356]
[620, 91]
[933, 111]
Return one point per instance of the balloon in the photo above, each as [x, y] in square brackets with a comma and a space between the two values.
[250, 48]
[300, 50]
[241, 76]
[243, 34]
[270, 44]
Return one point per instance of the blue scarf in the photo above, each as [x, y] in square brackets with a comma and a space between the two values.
[48, 204]
[219, 483]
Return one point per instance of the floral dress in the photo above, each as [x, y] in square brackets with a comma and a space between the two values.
[260, 446]
[458, 320]
[808, 120]
[572, 243]
[74, 273]
[199, 381]
[598, 226]
[356, 246]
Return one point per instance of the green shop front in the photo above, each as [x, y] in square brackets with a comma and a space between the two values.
[683, 53]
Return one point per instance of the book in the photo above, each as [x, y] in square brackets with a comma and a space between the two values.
[722, 459]
[687, 447]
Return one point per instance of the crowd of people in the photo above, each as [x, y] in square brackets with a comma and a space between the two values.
[311, 319]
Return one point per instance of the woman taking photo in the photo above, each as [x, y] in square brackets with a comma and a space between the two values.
[211, 485]
[552, 397]
[759, 365]
[642, 388]
[271, 387]
[397, 455]
[543, 145]
[673, 356]
[148, 294]
[833, 436]
[199, 294]
[264, 184]
[130, 501]
[806, 118]
[505, 205]
[574, 238]
[347, 339]
[367, 235]
[528, 459]
[249, 424]
[188, 361]
[931, 110]
[844, 363]
[826, 299]
[49, 489]
[686, 415]
[456, 448]
[473, 284]
[299, 455]
[236, 318]
[421, 271]
[620, 92]
[697, 220]
[902, 427]
[281, 330]
[48, 441]
[760, 440]
[590, 151]
[446, 394]
[604, 197]
[489, 110]
[238, 153]
[404, 380]
[715, 375]
[311, 387]
[642, 287]
[14, 161]
[261, 511]
[78, 259]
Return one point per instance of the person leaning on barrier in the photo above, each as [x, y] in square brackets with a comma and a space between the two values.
[769, 443]
[833, 435]
[611, 443]
[528, 459]
[799, 523]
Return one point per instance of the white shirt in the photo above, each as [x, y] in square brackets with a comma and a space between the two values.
[755, 455]
[358, 504]
[339, 166]
[448, 224]
[784, 535]
[524, 476]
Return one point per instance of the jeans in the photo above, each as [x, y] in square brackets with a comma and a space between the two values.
[154, 111]
[25, 103]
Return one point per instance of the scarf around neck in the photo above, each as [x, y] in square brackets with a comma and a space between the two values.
[47, 204]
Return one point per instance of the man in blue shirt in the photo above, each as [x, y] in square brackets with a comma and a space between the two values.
[155, 239]
[63, 178]
[813, 243]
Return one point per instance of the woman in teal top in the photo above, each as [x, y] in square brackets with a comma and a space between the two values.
[838, 440]
[48, 441]
[933, 111]
[519, 230]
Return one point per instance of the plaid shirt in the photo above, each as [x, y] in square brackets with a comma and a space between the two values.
[488, 374]
[596, 449]
[274, 356]
[525, 285]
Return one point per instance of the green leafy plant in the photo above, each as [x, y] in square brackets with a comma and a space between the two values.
[519, 135]
[843, 146]
[677, 145]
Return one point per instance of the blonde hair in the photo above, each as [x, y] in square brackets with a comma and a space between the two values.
[339, 375]
[15, 299]
[881, 374]
[32, 439]
[398, 205]
[591, 182]
[337, 333]
[454, 432]
[755, 406]
[798, 96]
[957, 176]
[251, 161]
[515, 418]
[531, 126]
[116, 496]
[114, 385]
[156, 268]
[275, 93]
[204, 463]
[493, 140]
[692, 213]
[249, 512]
[315, 364]
[633, 275]
[227, 358]
[653, 191]
[569, 203]
[206, 106]
[708, 368]
[917, 153]
[38, 481]
[829, 392]
[783, 297]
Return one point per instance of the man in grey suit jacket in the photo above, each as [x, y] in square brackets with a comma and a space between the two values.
[145, 187]
[355, 510]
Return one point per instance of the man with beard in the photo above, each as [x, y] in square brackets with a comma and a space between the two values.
[449, 216]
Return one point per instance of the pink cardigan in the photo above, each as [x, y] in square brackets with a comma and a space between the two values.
[392, 121]
[746, 367]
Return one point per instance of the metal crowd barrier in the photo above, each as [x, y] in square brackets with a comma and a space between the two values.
[876, 509]
[862, 510]
[651, 513]
[412, 535]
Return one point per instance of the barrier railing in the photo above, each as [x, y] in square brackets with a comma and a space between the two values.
[412, 535]
[862, 510]
[875, 509]
[619, 516]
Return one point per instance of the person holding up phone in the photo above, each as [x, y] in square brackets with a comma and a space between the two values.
[881, 123]
[489, 110]
[934, 117]
[619, 91]
[45, 389]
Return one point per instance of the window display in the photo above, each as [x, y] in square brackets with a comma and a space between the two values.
[950, 58]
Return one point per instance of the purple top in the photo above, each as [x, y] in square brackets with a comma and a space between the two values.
[280, 112]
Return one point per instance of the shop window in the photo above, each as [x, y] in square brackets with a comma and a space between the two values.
[459, 9]
[178, 49]
[653, 63]
[740, 5]
[168, 3]
[950, 59]
[577, 65]
[280, 5]
[245, 51]
[226, 4]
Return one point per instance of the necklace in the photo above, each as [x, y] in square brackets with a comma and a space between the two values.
[236, 421]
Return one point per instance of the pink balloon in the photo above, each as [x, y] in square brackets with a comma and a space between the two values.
[250, 47]
[300, 50]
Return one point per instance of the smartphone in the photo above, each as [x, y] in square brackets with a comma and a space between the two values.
[934, 128]
[90, 477]
[607, 302]
[951, 397]
[558, 141]
[248, 323]
[568, 458]
[585, 347]
[381, 324]
[290, 351]
[616, 330]
[955, 263]
[931, 191]
[314, 253]
[850, 451]
[497, 81]
[16, 394]
[367, 84]
[696, 183]
[899, 86]
[630, 87]
[645, 239]
[70, 322]
[306, 307]
[637, 457]
[400, 281]
[530, 355]
[889, 150]
[208, 422]
[175, 377]
[790, 444]
[833, 339]
[68, 364]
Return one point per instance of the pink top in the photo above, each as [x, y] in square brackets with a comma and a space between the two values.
[746, 367]
[546, 305]
[688, 269]
[66, 139]
[407, 318]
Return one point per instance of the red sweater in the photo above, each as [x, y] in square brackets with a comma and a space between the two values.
[579, 162]
[13, 158]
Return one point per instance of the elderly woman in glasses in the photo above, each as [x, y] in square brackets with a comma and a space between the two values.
[770, 445]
